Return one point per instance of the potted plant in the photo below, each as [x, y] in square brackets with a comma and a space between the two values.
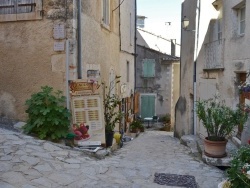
[112, 114]
[219, 121]
[136, 126]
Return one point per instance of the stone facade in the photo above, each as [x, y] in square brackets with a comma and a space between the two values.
[164, 84]
[30, 59]
[222, 57]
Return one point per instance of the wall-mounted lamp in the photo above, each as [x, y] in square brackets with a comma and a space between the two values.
[185, 23]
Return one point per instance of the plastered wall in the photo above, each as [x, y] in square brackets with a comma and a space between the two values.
[27, 57]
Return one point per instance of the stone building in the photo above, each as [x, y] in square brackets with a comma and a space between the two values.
[33, 53]
[157, 75]
[214, 51]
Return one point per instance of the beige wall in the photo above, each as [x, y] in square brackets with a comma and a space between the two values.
[27, 58]
[233, 54]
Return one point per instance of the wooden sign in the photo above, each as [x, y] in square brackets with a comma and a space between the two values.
[84, 87]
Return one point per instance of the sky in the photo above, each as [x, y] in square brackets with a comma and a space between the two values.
[158, 12]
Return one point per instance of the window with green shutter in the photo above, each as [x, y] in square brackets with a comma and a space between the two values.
[148, 68]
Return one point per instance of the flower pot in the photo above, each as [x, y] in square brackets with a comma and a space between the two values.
[109, 138]
[215, 149]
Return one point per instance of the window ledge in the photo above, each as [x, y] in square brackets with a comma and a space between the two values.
[105, 26]
[214, 69]
[241, 35]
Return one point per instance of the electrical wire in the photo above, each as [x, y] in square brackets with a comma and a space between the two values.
[118, 6]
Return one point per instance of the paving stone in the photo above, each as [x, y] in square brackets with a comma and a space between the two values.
[34, 147]
[19, 125]
[4, 167]
[72, 161]
[6, 158]
[42, 155]
[43, 168]
[62, 179]
[14, 178]
[51, 147]
[28, 186]
[42, 181]
[5, 185]
[69, 166]
[30, 160]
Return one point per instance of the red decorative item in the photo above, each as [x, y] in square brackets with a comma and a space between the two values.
[81, 132]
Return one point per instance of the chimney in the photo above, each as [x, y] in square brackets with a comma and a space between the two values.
[173, 44]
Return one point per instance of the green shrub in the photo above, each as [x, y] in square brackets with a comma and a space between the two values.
[166, 118]
[47, 116]
[240, 167]
[136, 125]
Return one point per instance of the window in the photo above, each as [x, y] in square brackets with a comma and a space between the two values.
[242, 17]
[127, 71]
[15, 10]
[106, 12]
[148, 67]
[219, 29]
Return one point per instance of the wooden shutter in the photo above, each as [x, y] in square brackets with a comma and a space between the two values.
[7, 10]
[29, 9]
[148, 68]
[147, 105]
[136, 105]
[87, 109]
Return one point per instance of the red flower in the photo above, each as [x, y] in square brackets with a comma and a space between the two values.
[248, 141]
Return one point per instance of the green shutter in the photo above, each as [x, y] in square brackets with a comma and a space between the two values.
[147, 106]
[148, 68]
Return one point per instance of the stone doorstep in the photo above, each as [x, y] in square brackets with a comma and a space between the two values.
[195, 143]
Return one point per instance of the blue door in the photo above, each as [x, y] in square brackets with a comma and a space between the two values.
[147, 105]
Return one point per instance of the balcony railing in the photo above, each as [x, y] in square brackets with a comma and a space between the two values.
[214, 54]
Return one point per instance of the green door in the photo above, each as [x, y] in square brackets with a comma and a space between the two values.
[147, 105]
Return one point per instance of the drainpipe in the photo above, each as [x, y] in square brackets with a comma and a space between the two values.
[79, 41]
[135, 38]
[198, 9]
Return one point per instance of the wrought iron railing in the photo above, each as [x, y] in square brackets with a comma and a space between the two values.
[214, 54]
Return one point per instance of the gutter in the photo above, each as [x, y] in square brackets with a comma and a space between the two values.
[135, 38]
[79, 40]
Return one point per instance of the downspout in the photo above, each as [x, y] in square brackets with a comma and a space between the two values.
[79, 41]
[195, 63]
[135, 38]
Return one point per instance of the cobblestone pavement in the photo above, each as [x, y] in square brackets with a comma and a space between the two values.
[26, 162]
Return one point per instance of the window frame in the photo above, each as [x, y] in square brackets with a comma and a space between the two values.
[241, 20]
[106, 14]
[34, 15]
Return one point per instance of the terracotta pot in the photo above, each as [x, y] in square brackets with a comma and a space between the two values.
[215, 149]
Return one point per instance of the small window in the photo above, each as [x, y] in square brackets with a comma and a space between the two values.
[127, 71]
[219, 29]
[148, 68]
[242, 17]
[15, 10]
[106, 12]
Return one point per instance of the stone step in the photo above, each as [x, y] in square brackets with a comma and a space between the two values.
[195, 143]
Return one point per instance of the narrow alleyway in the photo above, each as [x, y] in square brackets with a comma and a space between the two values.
[26, 162]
